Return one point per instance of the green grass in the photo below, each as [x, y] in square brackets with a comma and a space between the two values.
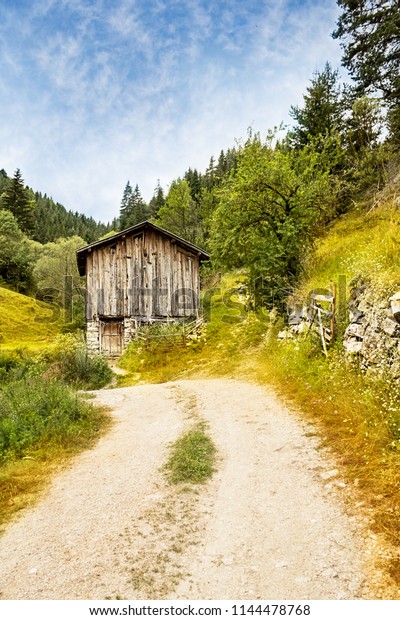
[25, 323]
[37, 412]
[218, 350]
[42, 424]
[22, 481]
[192, 457]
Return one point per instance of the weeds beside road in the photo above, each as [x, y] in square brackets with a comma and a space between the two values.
[42, 419]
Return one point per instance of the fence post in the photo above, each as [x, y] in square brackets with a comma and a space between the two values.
[333, 308]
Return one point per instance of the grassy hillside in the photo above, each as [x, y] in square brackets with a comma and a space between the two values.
[359, 243]
[25, 322]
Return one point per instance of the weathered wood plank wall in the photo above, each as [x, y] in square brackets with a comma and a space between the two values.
[147, 276]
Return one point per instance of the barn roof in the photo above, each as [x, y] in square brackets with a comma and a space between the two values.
[133, 230]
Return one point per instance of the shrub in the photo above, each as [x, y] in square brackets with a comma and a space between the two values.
[7, 361]
[70, 361]
[35, 411]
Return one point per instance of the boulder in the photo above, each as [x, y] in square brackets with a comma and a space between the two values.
[395, 306]
[395, 369]
[294, 318]
[303, 327]
[391, 328]
[285, 334]
[356, 329]
[373, 348]
[353, 346]
[382, 304]
[364, 306]
[355, 315]
[374, 322]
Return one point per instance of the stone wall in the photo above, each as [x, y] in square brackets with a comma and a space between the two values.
[93, 336]
[373, 333]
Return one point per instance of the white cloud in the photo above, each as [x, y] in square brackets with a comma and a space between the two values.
[143, 90]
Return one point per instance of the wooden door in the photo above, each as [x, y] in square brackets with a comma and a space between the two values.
[112, 338]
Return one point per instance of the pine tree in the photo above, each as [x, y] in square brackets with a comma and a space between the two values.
[322, 112]
[157, 201]
[140, 210]
[194, 180]
[53, 221]
[133, 208]
[4, 180]
[371, 43]
[222, 165]
[369, 30]
[125, 207]
[210, 175]
[16, 199]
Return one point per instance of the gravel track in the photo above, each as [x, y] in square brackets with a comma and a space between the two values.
[270, 524]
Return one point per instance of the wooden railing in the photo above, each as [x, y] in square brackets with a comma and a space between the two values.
[322, 316]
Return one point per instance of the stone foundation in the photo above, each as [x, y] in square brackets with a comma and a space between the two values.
[130, 329]
[93, 336]
[93, 333]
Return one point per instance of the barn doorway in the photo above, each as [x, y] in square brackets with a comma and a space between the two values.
[111, 337]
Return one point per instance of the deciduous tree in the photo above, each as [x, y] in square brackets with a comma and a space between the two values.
[17, 254]
[269, 212]
[179, 214]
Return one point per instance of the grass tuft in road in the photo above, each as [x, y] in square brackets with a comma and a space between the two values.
[192, 457]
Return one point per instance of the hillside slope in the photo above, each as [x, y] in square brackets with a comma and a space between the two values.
[364, 242]
[25, 322]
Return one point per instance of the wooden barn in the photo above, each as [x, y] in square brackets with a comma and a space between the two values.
[141, 275]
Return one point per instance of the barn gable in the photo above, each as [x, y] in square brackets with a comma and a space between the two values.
[140, 275]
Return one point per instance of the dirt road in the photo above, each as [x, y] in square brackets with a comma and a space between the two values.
[269, 524]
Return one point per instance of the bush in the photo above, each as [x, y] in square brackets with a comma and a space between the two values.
[84, 371]
[71, 362]
[7, 361]
[35, 410]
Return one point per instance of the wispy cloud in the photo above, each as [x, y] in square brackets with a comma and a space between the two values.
[95, 93]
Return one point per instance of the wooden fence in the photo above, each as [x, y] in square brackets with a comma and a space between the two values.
[168, 341]
[322, 316]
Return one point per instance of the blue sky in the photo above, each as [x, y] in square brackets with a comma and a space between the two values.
[96, 92]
